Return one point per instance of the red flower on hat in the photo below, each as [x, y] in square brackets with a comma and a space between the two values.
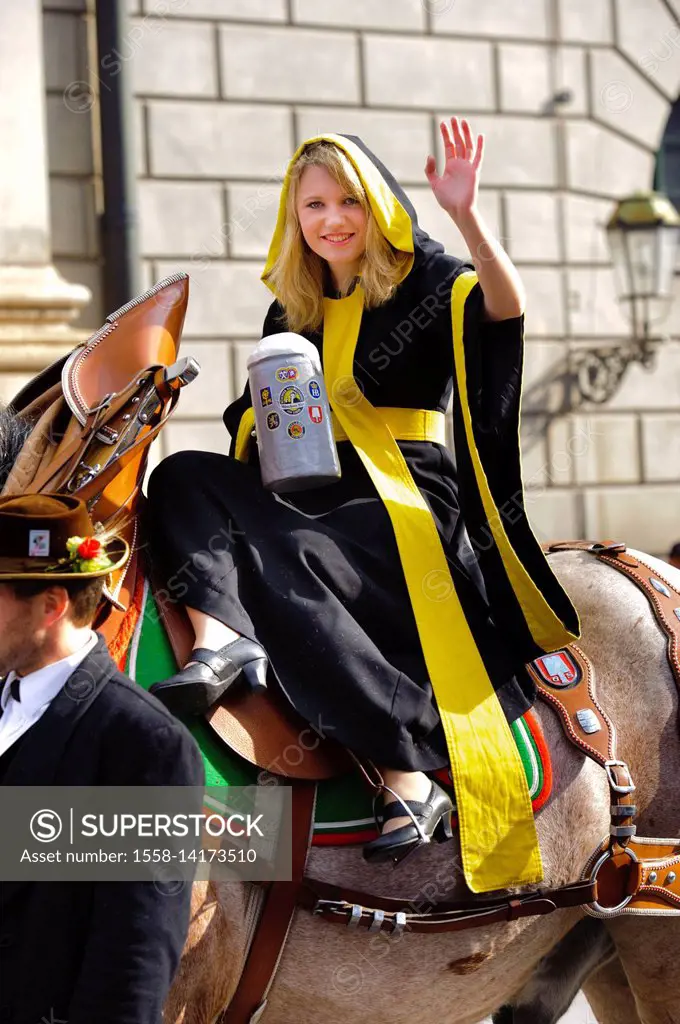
[89, 548]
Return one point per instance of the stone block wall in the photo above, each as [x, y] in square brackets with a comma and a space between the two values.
[225, 89]
[74, 179]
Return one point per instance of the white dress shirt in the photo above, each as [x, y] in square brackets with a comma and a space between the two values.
[37, 690]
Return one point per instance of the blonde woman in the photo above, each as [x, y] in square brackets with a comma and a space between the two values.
[379, 596]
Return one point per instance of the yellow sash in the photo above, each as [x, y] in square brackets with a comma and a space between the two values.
[546, 627]
[497, 830]
[246, 426]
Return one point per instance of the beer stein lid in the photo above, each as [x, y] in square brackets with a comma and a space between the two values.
[286, 344]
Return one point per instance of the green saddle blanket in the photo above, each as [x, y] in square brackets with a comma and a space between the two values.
[344, 812]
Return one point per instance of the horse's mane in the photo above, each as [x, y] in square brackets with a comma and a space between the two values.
[14, 431]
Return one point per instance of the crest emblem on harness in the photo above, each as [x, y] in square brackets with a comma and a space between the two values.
[558, 669]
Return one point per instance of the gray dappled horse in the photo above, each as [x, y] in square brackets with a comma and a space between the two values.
[524, 971]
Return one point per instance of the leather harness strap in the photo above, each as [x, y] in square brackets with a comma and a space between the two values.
[663, 597]
[633, 874]
[66, 458]
[589, 728]
[359, 909]
[281, 901]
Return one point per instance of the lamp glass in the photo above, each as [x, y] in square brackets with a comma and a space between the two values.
[643, 258]
[616, 237]
[669, 235]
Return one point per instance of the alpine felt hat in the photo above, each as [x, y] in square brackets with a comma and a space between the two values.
[51, 536]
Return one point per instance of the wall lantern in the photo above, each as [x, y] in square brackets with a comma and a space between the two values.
[643, 234]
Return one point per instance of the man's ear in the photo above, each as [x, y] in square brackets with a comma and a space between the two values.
[55, 604]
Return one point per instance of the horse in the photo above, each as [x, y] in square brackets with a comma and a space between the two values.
[522, 970]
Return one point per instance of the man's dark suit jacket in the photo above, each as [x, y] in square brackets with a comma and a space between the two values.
[94, 952]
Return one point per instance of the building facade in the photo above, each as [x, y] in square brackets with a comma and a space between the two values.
[573, 96]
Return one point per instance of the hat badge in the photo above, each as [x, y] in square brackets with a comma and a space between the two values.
[38, 543]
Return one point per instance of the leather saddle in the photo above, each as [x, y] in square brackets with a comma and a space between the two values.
[93, 415]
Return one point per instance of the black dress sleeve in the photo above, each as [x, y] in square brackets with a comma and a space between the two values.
[494, 358]
[493, 351]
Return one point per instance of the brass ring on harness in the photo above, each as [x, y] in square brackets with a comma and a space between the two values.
[595, 906]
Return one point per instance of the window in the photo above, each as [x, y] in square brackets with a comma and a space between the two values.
[667, 174]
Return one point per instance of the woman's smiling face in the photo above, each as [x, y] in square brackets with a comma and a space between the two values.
[333, 223]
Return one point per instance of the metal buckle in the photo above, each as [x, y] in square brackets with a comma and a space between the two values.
[333, 905]
[185, 370]
[610, 911]
[356, 912]
[340, 907]
[354, 917]
[622, 831]
[399, 923]
[84, 474]
[377, 922]
[623, 810]
[608, 765]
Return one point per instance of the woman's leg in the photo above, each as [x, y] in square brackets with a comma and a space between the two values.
[409, 786]
[209, 632]
[401, 835]
[213, 634]
[198, 685]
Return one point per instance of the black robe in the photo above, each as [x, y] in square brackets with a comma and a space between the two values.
[316, 576]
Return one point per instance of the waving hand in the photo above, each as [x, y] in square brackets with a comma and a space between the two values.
[456, 188]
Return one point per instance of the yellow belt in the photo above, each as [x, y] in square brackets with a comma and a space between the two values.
[405, 424]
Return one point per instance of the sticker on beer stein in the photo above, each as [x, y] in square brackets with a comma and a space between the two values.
[314, 389]
[266, 396]
[296, 430]
[273, 420]
[292, 400]
[315, 413]
[287, 373]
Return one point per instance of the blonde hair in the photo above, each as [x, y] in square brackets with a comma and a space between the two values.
[297, 275]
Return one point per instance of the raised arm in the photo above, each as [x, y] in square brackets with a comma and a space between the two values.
[456, 192]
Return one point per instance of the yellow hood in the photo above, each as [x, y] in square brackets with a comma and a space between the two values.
[389, 204]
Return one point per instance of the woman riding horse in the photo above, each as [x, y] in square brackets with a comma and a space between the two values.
[392, 603]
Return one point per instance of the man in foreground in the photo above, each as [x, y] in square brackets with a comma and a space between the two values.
[79, 951]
